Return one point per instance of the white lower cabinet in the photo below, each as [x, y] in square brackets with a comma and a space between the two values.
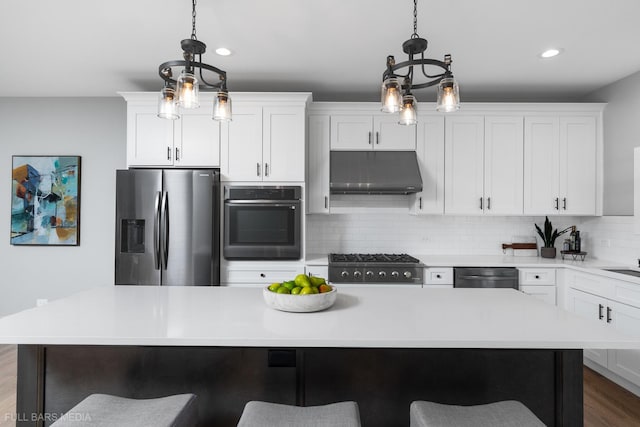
[438, 278]
[600, 299]
[540, 283]
[259, 274]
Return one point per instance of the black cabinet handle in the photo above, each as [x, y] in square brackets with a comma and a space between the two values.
[377, 138]
[326, 202]
[481, 206]
[537, 276]
[609, 314]
[564, 203]
[557, 203]
[177, 154]
[600, 308]
[369, 138]
[488, 203]
[168, 153]
[420, 202]
[262, 275]
[438, 276]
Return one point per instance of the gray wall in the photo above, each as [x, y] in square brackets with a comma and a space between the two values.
[94, 128]
[621, 135]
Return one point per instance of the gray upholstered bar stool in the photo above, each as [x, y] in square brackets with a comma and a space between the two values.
[103, 410]
[264, 414]
[508, 413]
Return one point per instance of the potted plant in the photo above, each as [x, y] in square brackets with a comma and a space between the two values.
[548, 237]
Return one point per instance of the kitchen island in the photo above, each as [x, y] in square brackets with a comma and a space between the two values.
[380, 347]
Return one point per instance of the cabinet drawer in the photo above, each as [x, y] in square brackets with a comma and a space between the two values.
[438, 276]
[317, 270]
[544, 293]
[537, 276]
[261, 276]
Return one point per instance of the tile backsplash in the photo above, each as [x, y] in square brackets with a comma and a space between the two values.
[608, 238]
[612, 238]
[437, 235]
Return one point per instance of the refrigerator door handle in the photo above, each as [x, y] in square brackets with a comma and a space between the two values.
[165, 230]
[156, 232]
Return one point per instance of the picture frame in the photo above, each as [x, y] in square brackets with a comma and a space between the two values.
[45, 200]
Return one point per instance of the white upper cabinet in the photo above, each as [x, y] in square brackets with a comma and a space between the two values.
[561, 165]
[483, 164]
[197, 139]
[503, 165]
[265, 141]
[430, 152]
[318, 141]
[371, 132]
[191, 141]
[242, 144]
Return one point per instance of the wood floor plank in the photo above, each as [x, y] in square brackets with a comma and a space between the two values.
[605, 403]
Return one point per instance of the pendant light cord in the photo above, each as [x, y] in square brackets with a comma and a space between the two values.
[415, 20]
[193, 21]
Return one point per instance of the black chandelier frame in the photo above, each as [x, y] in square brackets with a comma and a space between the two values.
[192, 48]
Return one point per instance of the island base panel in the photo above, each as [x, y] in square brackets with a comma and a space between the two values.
[52, 379]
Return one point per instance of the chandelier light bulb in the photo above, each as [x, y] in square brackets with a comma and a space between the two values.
[188, 90]
[448, 95]
[167, 105]
[409, 111]
[222, 107]
[391, 95]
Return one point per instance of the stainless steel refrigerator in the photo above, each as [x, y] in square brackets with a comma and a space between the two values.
[168, 227]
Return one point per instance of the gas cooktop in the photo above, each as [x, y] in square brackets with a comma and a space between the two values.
[375, 269]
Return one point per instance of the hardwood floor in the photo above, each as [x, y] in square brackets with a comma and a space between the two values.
[608, 405]
[605, 403]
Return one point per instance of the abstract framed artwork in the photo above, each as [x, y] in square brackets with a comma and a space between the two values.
[45, 200]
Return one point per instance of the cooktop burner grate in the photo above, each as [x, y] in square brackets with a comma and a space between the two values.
[369, 258]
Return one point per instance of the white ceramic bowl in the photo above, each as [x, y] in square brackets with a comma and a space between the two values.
[299, 303]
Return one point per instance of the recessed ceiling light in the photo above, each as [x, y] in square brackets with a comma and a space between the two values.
[223, 51]
[550, 53]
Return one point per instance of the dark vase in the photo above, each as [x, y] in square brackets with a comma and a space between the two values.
[548, 252]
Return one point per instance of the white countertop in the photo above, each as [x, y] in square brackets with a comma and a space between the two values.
[223, 316]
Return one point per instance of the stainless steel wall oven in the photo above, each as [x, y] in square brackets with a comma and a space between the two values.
[262, 223]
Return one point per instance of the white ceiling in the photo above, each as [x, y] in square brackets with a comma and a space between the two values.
[333, 48]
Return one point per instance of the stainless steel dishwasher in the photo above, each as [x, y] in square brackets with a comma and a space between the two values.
[485, 277]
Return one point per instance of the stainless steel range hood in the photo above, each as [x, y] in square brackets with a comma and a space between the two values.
[375, 172]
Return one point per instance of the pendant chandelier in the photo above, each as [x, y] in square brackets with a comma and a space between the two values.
[397, 87]
[184, 92]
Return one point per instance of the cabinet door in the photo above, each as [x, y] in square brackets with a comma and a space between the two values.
[283, 142]
[242, 145]
[541, 165]
[590, 307]
[351, 132]
[149, 138]
[578, 165]
[464, 150]
[318, 165]
[626, 363]
[503, 165]
[197, 140]
[389, 135]
[430, 152]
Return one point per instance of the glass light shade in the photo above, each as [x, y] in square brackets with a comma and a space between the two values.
[167, 106]
[409, 111]
[188, 90]
[391, 95]
[448, 95]
[222, 107]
